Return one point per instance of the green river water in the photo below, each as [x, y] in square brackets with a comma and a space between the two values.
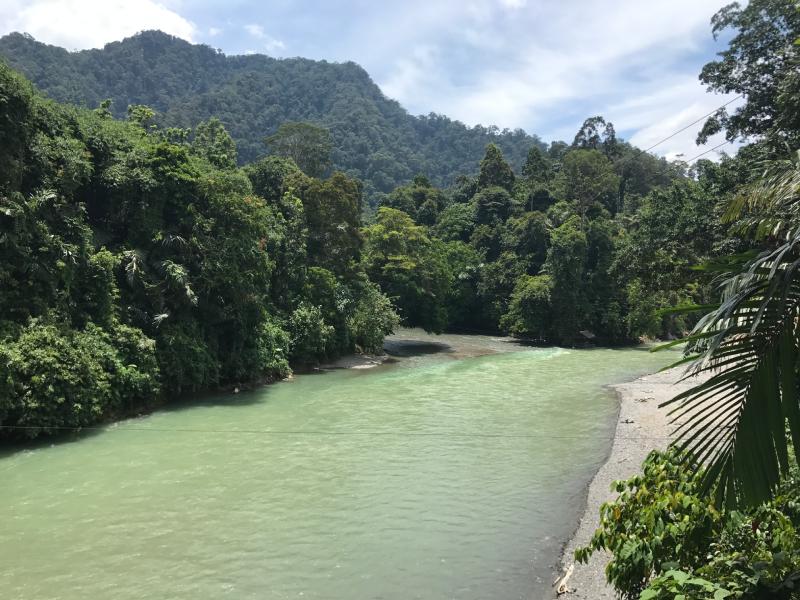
[441, 475]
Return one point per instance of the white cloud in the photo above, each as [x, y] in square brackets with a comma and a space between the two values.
[271, 44]
[214, 31]
[274, 46]
[546, 66]
[79, 24]
[657, 116]
[255, 30]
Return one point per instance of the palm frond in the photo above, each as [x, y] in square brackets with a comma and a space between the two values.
[769, 208]
[735, 420]
[134, 265]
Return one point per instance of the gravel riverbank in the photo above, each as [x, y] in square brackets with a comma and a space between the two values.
[641, 427]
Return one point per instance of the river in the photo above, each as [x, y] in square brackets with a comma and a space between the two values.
[448, 473]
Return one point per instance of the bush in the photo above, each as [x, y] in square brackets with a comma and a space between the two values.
[53, 378]
[273, 351]
[309, 334]
[372, 320]
[668, 540]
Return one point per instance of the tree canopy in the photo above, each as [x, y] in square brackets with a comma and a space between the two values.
[372, 138]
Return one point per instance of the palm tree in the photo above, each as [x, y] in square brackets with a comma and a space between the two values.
[748, 347]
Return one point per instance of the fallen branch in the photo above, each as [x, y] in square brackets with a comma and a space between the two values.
[561, 584]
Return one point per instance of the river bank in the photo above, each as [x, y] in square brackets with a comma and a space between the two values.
[641, 427]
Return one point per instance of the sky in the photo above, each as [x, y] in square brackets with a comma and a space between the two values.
[540, 65]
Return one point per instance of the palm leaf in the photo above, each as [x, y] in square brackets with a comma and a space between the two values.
[735, 420]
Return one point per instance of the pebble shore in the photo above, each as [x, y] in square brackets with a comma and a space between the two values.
[641, 427]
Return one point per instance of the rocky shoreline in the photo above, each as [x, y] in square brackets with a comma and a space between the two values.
[641, 427]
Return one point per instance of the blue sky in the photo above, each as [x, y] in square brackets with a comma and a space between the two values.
[542, 65]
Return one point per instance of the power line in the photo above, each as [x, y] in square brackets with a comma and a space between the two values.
[669, 137]
[307, 432]
[707, 151]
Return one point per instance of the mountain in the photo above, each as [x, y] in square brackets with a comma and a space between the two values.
[375, 139]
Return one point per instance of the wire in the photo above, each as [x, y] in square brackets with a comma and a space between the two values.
[669, 137]
[707, 151]
[443, 434]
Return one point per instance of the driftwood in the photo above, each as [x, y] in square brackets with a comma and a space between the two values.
[561, 584]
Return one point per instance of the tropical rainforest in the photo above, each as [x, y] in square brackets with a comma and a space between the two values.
[141, 260]
[375, 139]
[175, 220]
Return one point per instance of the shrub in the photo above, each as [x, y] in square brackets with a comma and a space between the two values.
[309, 334]
[53, 378]
[372, 320]
[668, 540]
[273, 351]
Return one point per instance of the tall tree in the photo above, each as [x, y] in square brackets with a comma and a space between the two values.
[332, 208]
[495, 171]
[760, 63]
[565, 264]
[308, 145]
[537, 168]
[587, 177]
[597, 134]
[409, 268]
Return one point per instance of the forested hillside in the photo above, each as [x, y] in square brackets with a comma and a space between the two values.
[136, 266]
[374, 138]
[147, 253]
[139, 262]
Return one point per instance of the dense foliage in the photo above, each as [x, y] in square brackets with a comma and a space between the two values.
[373, 138]
[139, 263]
[746, 347]
[587, 244]
[668, 540]
[717, 517]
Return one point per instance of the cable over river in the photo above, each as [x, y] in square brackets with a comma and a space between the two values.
[457, 471]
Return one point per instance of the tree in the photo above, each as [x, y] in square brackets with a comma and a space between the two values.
[493, 205]
[495, 287]
[456, 222]
[464, 263]
[409, 268]
[537, 167]
[308, 145]
[212, 141]
[495, 171]
[419, 199]
[529, 312]
[527, 236]
[597, 134]
[673, 230]
[587, 177]
[605, 301]
[332, 210]
[760, 63]
[565, 264]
